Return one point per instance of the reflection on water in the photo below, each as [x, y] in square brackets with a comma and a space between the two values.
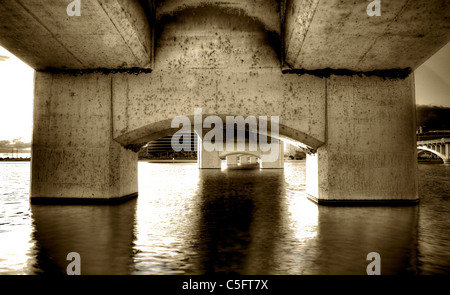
[102, 235]
[191, 221]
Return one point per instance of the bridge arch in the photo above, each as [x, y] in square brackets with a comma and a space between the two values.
[153, 131]
[422, 149]
[144, 105]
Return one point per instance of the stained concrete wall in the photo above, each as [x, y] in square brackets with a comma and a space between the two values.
[145, 104]
[74, 154]
[370, 150]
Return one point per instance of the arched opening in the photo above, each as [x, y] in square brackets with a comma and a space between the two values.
[427, 155]
[214, 36]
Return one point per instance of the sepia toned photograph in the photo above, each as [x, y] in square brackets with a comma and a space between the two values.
[224, 137]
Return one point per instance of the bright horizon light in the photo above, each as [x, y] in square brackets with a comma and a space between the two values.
[16, 98]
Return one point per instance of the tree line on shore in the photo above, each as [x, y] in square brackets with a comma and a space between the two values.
[432, 117]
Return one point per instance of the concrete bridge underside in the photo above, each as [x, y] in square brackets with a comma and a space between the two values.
[115, 77]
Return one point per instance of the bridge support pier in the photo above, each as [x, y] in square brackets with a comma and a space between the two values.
[232, 160]
[206, 159]
[370, 152]
[75, 159]
[279, 163]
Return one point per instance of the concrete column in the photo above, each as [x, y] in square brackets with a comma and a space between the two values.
[253, 160]
[206, 159]
[279, 163]
[370, 151]
[446, 152]
[245, 159]
[75, 159]
[232, 160]
[312, 176]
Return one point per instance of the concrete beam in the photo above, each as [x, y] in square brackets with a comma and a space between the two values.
[342, 36]
[109, 34]
[146, 103]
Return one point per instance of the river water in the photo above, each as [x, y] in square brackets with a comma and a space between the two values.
[191, 221]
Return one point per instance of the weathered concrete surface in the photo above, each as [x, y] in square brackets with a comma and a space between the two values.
[215, 37]
[297, 19]
[370, 150]
[145, 104]
[109, 34]
[342, 36]
[74, 154]
[264, 11]
[295, 34]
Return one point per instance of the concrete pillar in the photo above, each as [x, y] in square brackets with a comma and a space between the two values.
[446, 152]
[245, 159]
[206, 159]
[279, 163]
[253, 159]
[312, 176]
[232, 160]
[370, 151]
[75, 159]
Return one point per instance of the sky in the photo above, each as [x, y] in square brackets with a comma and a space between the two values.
[432, 80]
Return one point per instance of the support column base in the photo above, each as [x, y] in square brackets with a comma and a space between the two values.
[81, 201]
[360, 203]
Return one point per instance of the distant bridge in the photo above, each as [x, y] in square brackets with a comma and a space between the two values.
[439, 147]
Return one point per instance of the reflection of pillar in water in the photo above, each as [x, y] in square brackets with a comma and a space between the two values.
[102, 235]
